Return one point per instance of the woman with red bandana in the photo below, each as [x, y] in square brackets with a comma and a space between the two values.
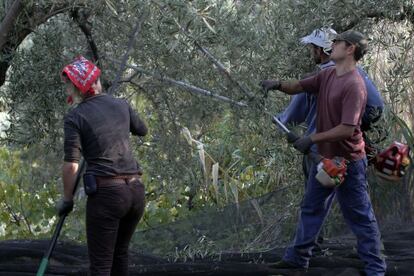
[99, 128]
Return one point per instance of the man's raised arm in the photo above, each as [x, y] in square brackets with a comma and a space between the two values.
[291, 87]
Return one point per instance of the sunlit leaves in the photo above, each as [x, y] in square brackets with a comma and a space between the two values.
[27, 209]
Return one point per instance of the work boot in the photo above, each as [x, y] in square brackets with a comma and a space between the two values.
[317, 249]
[320, 240]
[284, 264]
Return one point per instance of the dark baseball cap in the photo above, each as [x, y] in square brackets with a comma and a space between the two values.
[355, 38]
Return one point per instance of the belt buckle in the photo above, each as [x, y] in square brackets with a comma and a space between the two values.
[135, 178]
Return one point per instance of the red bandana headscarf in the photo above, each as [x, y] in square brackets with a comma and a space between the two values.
[82, 73]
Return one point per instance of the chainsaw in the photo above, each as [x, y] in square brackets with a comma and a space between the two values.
[391, 163]
[331, 172]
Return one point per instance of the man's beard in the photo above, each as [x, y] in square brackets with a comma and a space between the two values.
[317, 59]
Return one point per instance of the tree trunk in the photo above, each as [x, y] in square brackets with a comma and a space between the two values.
[14, 31]
[9, 20]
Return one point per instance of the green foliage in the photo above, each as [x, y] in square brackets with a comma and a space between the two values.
[27, 210]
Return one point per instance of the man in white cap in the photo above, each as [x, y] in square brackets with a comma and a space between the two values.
[302, 107]
[341, 100]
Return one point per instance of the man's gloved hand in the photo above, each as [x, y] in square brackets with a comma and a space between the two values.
[64, 207]
[292, 138]
[270, 85]
[303, 144]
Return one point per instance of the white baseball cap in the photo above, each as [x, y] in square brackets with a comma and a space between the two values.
[321, 37]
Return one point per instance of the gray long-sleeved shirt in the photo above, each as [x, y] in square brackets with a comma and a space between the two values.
[99, 129]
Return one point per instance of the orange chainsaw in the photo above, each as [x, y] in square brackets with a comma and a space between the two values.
[331, 172]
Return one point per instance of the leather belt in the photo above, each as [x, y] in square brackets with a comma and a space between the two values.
[103, 181]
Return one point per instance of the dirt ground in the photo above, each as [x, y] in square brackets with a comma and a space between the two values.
[338, 257]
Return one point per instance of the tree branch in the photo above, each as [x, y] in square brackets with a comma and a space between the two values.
[128, 52]
[9, 20]
[5, 28]
[189, 87]
[81, 18]
[12, 34]
[215, 61]
[407, 12]
[22, 211]
[222, 69]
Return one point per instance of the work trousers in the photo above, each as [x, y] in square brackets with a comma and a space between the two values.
[357, 210]
[112, 215]
[307, 163]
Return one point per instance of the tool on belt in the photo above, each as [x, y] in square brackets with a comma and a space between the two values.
[330, 172]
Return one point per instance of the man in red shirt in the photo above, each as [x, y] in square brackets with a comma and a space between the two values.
[341, 101]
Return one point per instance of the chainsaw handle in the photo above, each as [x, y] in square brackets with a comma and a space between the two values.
[291, 137]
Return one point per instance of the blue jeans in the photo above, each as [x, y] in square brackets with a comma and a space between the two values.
[307, 165]
[357, 210]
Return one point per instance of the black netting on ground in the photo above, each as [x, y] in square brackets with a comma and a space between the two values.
[257, 224]
[249, 224]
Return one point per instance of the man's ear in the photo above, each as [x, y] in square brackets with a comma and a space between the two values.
[351, 49]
